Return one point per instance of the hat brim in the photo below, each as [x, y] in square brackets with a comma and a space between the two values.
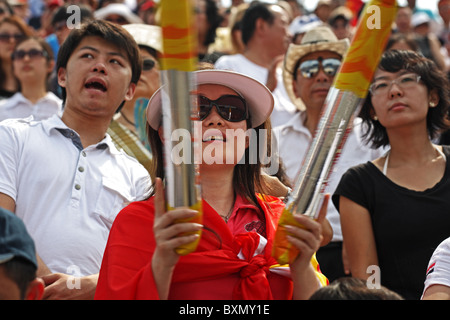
[117, 9]
[146, 35]
[258, 97]
[295, 52]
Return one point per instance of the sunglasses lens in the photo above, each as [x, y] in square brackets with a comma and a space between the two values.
[6, 37]
[331, 66]
[230, 108]
[33, 53]
[309, 69]
[148, 64]
[204, 106]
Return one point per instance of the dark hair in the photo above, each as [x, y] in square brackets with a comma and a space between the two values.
[349, 288]
[112, 33]
[21, 272]
[19, 23]
[61, 14]
[46, 47]
[7, 7]
[433, 78]
[247, 177]
[409, 39]
[255, 11]
[214, 21]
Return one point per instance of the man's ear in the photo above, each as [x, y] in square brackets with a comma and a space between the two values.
[260, 26]
[35, 290]
[62, 77]
[130, 92]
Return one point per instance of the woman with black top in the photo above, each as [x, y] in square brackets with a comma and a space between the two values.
[395, 210]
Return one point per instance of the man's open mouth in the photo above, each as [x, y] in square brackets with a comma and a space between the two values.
[97, 85]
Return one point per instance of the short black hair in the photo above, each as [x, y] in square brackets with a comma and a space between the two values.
[255, 11]
[431, 76]
[61, 14]
[214, 19]
[112, 33]
[350, 288]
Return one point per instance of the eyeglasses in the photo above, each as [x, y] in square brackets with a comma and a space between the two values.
[383, 86]
[33, 54]
[230, 107]
[5, 37]
[310, 68]
[148, 64]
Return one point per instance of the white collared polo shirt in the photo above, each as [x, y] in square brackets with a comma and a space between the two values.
[68, 196]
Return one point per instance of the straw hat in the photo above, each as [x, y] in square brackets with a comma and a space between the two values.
[320, 38]
[146, 35]
[258, 97]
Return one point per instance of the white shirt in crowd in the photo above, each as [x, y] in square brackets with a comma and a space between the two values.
[20, 107]
[283, 108]
[68, 196]
[292, 142]
[438, 271]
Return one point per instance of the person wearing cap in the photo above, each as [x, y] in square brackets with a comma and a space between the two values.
[233, 259]
[429, 43]
[63, 176]
[301, 24]
[323, 10]
[127, 133]
[5, 9]
[308, 72]
[118, 13]
[20, 8]
[18, 263]
[266, 36]
[339, 22]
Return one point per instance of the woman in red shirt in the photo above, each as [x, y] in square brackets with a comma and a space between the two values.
[233, 258]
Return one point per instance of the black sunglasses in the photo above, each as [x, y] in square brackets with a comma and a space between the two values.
[310, 68]
[230, 107]
[148, 64]
[5, 37]
[33, 54]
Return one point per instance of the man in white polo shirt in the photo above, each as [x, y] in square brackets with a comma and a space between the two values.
[63, 176]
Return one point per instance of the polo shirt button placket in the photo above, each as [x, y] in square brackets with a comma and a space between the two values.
[79, 179]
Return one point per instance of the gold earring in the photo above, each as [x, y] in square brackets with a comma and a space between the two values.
[432, 104]
[375, 118]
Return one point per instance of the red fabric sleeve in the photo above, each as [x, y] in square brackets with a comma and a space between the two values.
[126, 267]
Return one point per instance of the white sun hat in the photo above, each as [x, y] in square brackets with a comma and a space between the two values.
[258, 97]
